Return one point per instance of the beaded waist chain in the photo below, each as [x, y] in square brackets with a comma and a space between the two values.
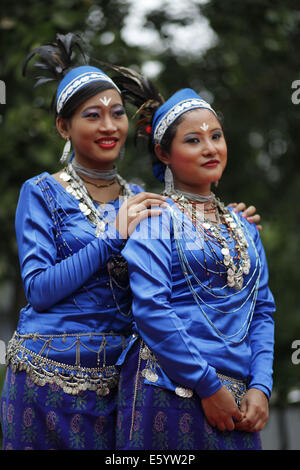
[238, 388]
[73, 379]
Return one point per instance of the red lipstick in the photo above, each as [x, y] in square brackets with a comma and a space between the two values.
[211, 164]
[107, 142]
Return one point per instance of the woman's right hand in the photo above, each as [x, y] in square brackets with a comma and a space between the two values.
[137, 208]
[221, 410]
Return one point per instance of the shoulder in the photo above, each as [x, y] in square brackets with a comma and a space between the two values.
[248, 227]
[35, 180]
[136, 188]
[34, 189]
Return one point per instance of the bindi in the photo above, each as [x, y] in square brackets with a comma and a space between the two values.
[204, 126]
[105, 101]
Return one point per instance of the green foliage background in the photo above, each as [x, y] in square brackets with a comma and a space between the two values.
[248, 71]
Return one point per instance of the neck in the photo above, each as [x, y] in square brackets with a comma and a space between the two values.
[202, 190]
[202, 193]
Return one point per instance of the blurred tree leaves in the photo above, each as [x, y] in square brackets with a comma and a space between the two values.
[247, 73]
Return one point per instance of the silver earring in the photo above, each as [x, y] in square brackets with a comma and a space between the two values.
[169, 181]
[216, 183]
[66, 152]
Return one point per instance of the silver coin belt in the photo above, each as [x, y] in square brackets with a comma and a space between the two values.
[238, 388]
[73, 379]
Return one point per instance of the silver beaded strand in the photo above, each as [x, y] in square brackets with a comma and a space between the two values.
[85, 203]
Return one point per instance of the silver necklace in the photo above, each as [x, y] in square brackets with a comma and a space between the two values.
[191, 196]
[200, 294]
[235, 273]
[94, 173]
[85, 203]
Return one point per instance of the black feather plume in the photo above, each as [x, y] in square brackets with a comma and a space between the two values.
[140, 92]
[56, 58]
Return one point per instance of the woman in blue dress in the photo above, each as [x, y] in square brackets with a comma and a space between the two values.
[198, 372]
[60, 389]
[61, 384]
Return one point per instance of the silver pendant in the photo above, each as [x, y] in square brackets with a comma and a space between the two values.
[100, 228]
[84, 208]
[102, 391]
[69, 189]
[184, 392]
[150, 375]
[145, 354]
[65, 176]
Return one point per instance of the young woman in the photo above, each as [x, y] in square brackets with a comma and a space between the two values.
[60, 389]
[198, 372]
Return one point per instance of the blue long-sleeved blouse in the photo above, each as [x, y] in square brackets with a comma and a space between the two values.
[78, 313]
[195, 331]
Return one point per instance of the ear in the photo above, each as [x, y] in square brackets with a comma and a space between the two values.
[62, 126]
[161, 154]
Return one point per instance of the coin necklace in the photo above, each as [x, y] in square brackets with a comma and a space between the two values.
[85, 203]
[235, 272]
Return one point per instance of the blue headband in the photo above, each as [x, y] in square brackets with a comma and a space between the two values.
[76, 79]
[181, 102]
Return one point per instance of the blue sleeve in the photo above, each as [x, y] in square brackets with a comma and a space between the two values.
[261, 332]
[136, 188]
[45, 280]
[150, 269]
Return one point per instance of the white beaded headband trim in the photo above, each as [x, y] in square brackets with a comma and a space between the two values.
[174, 113]
[78, 83]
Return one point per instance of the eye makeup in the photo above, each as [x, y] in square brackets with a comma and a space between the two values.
[116, 110]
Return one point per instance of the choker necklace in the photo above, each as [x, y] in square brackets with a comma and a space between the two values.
[99, 185]
[178, 195]
[94, 173]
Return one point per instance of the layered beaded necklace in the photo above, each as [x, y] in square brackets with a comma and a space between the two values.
[86, 204]
[233, 263]
[211, 232]
[117, 266]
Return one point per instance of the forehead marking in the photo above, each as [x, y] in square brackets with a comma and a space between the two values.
[105, 101]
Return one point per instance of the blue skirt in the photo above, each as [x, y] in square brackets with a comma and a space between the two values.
[44, 417]
[153, 418]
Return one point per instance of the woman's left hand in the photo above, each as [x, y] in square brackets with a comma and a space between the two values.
[255, 407]
[248, 212]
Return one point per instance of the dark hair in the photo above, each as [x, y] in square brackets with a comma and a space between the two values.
[56, 59]
[166, 140]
